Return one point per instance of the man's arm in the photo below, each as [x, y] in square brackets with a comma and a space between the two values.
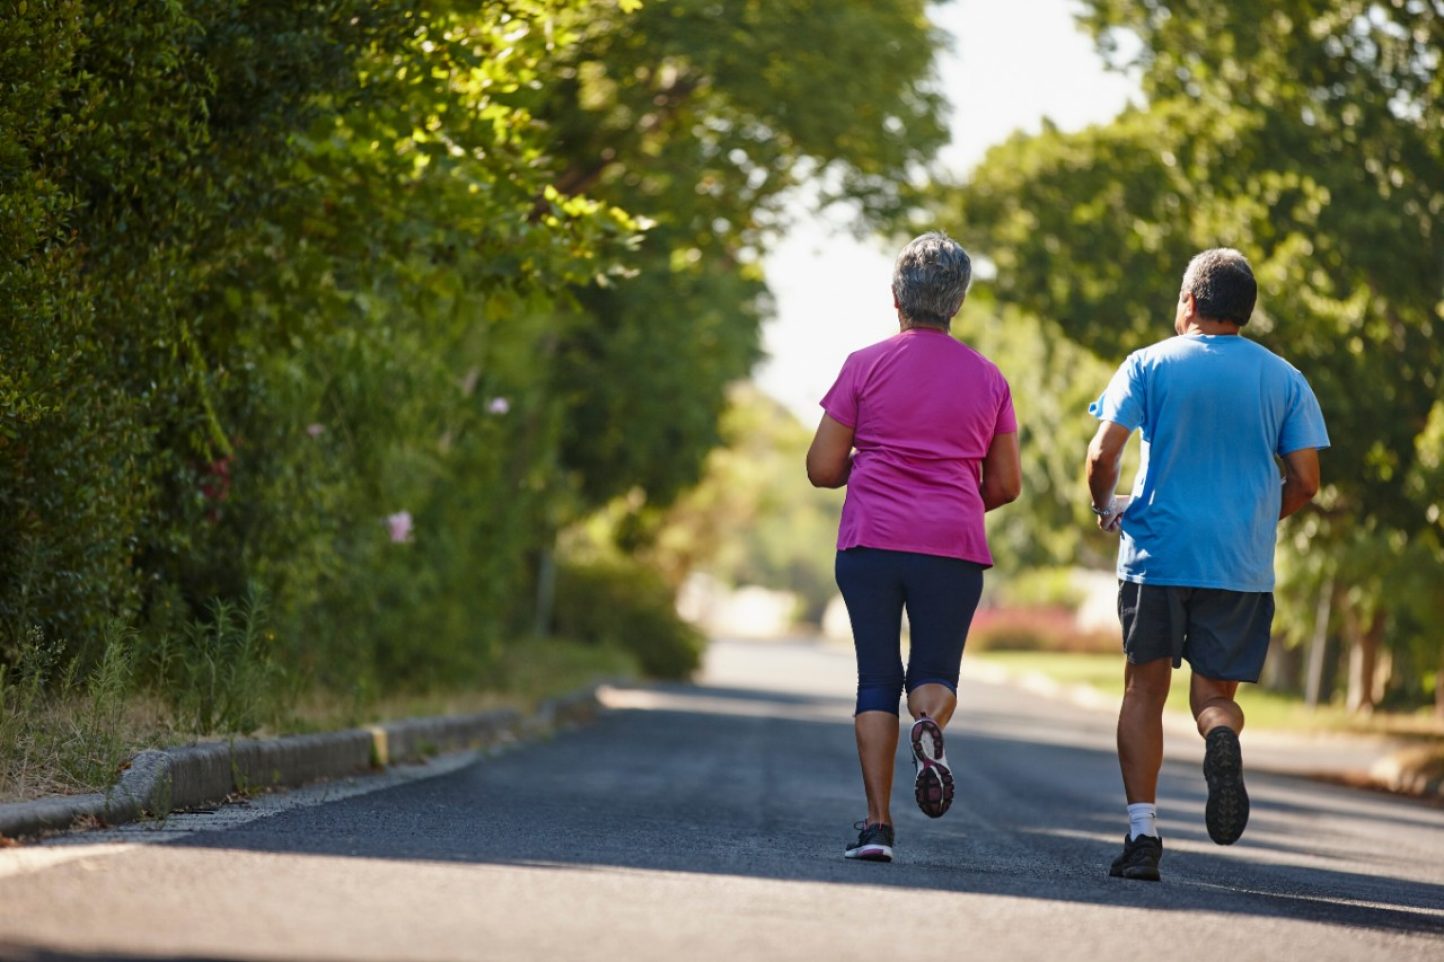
[1002, 471]
[1301, 480]
[1105, 461]
[829, 459]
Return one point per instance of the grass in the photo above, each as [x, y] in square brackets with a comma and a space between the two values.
[1263, 709]
[530, 672]
[61, 737]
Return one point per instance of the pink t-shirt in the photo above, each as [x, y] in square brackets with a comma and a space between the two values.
[924, 410]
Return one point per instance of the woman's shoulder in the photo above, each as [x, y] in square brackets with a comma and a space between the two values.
[967, 354]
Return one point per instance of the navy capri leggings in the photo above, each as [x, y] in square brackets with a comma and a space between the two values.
[940, 595]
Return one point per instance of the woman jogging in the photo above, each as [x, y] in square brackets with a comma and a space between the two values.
[920, 428]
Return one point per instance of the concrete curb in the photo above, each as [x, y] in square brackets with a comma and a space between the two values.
[157, 782]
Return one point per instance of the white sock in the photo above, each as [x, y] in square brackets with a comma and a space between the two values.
[1142, 819]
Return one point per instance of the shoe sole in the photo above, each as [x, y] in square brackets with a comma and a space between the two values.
[933, 785]
[869, 853]
[1137, 873]
[1226, 813]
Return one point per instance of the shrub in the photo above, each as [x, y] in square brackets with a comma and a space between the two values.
[1036, 629]
[622, 604]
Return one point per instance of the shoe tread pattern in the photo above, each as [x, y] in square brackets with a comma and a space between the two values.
[1226, 812]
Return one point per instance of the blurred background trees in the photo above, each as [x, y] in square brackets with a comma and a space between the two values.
[1306, 134]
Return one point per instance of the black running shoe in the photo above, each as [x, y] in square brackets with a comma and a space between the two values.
[1139, 859]
[874, 843]
[1226, 813]
[933, 783]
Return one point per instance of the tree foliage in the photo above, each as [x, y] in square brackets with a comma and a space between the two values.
[704, 117]
[351, 305]
[1306, 135]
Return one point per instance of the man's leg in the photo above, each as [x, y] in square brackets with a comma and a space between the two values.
[1140, 756]
[1219, 720]
[1140, 727]
[1153, 624]
[1228, 640]
[1213, 704]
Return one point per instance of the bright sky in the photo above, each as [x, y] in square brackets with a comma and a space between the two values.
[1012, 64]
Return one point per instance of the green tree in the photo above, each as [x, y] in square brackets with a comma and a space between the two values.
[705, 118]
[753, 519]
[231, 221]
[1305, 135]
[275, 271]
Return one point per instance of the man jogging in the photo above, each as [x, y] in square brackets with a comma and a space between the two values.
[1219, 416]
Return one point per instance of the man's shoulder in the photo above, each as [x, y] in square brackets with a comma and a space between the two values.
[1183, 347]
[1145, 360]
[1279, 369]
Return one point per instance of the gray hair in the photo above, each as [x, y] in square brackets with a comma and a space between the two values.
[1222, 285]
[930, 279]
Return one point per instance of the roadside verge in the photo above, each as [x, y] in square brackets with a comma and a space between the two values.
[1384, 763]
[160, 781]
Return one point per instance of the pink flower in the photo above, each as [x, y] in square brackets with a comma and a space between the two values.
[315, 430]
[498, 405]
[216, 479]
[398, 525]
[216, 486]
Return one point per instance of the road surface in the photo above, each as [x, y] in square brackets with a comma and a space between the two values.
[708, 823]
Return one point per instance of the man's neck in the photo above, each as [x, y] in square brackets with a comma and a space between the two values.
[1205, 325]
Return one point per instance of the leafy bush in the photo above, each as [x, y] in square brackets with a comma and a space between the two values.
[1036, 629]
[626, 606]
[277, 273]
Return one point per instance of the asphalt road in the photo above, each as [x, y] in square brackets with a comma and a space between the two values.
[708, 823]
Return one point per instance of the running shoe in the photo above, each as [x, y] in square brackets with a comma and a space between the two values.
[874, 843]
[1140, 858]
[933, 781]
[1226, 813]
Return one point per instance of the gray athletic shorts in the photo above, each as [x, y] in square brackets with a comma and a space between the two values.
[1223, 635]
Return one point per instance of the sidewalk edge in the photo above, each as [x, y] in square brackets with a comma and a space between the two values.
[159, 781]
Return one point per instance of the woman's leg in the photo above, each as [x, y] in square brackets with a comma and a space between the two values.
[874, 599]
[942, 596]
[877, 751]
[933, 700]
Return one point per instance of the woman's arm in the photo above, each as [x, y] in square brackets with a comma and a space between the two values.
[829, 460]
[1002, 471]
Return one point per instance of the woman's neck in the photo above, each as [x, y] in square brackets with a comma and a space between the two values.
[904, 325]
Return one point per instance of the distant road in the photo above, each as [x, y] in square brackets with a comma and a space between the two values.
[708, 823]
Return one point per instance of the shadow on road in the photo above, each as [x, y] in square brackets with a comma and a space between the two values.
[12, 952]
[758, 784]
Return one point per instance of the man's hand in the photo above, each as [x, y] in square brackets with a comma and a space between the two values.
[1113, 521]
[1105, 458]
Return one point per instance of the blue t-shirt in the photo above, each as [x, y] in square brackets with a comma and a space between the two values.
[1214, 410]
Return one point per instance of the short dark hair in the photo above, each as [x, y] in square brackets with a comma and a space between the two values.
[1222, 285]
